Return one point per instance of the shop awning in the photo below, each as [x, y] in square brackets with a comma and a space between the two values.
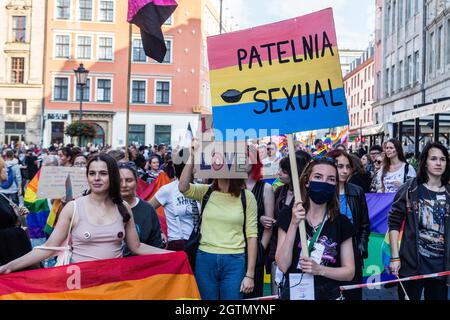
[438, 107]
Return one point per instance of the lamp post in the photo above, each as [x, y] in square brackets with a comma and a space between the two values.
[81, 75]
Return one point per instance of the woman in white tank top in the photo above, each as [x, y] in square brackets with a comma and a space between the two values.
[101, 220]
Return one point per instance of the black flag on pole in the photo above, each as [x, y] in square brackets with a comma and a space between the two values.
[149, 16]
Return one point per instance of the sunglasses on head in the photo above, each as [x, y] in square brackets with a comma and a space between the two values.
[378, 161]
[128, 165]
[320, 158]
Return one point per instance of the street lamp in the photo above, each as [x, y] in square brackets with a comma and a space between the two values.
[81, 74]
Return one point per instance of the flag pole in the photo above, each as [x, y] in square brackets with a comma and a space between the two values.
[297, 191]
[130, 44]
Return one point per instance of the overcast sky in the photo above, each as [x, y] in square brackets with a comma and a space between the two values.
[354, 19]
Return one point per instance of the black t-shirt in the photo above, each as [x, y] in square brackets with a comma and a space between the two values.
[331, 237]
[432, 208]
[32, 168]
[8, 217]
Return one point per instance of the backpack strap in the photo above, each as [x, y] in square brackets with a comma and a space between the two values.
[405, 177]
[204, 202]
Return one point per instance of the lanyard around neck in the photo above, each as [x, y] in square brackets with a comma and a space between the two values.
[317, 233]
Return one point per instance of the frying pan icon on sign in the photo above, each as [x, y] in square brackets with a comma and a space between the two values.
[233, 95]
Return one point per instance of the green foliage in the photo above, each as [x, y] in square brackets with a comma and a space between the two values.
[80, 129]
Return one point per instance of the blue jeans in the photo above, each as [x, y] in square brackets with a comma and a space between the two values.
[219, 276]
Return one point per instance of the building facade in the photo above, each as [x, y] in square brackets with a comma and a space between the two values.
[21, 70]
[359, 85]
[415, 71]
[164, 97]
[346, 57]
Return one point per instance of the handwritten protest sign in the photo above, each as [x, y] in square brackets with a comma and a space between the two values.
[215, 160]
[53, 182]
[283, 76]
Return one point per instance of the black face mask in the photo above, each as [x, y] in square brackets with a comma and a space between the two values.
[321, 192]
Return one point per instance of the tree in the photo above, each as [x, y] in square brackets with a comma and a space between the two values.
[80, 129]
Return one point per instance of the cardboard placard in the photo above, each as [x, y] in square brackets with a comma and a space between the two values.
[53, 182]
[284, 76]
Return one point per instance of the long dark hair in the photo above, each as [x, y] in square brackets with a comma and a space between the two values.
[333, 206]
[422, 173]
[114, 182]
[302, 159]
[387, 162]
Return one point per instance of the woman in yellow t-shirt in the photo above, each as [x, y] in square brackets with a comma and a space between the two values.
[223, 270]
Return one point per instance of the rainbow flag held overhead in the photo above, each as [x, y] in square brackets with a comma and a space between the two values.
[283, 76]
[152, 277]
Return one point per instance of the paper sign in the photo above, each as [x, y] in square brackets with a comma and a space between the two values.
[53, 182]
[216, 160]
[301, 286]
[279, 78]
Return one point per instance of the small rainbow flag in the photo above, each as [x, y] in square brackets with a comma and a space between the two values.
[39, 209]
[152, 277]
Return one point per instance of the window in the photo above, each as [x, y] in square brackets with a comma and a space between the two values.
[400, 76]
[448, 41]
[162, 134]
[393, 17]
[387, 88]
[392, 79]
[400, 13]
[136, 134]
[85, 10]
[106, 11]
[167, 57]
[168, 22]
[431, 54]
[162, 92]
[408, 9]
[16, 106]
[103, 90]
[416, 6]
[86, 91]
[416, 67]
[84, 47]
[62, 43]
[19, 28]
[60, 90]
[408, 70]
[17, 68]
[105, 49]
[439, 48]
[388, 17]
[138, 92]
[62, 9]
[138, 51]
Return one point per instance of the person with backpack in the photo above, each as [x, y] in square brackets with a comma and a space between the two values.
[226, 256]
[395, 170]
[12, 186]
[420, 213]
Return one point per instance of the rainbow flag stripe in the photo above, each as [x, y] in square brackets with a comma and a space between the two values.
[306, 84]
[152, 277]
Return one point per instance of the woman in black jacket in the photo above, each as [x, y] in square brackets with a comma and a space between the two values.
[354, 206]
[423, 205]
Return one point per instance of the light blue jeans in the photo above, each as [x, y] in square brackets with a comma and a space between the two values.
[219, 276]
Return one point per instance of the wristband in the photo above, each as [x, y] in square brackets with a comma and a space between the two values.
[396, 258]
[249, 277]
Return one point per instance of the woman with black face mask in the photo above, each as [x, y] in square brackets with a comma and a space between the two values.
[329, 234]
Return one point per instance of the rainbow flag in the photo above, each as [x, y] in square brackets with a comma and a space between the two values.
[147, 191]
[284, 76]
[152, 277]
[39, 209]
